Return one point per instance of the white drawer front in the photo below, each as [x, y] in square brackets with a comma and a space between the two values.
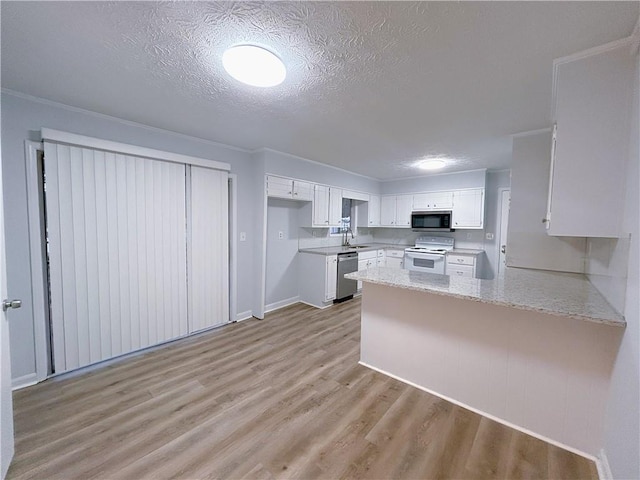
[395, 253]
[460, 271]
[367, 255]
[461, 259]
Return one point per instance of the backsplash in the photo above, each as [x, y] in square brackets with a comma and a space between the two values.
[319, 237]
[473, 239]
[606, 266]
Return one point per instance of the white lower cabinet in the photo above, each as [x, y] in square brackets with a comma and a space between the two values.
[463, 265]
[394, 258]
[331, 277]
[367, 260]
[318, 276]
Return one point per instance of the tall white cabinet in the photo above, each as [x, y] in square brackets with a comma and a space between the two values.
[593, 93]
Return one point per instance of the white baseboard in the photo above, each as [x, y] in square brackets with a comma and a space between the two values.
[24, 381]
[243, 316]
[604, 469]
[489, 416]
[281, 304]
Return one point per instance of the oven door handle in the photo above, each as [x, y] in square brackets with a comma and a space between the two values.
[426, 256]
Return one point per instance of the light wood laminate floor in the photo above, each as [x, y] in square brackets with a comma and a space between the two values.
[279, 398]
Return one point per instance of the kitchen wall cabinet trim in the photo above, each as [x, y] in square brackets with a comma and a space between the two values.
[593, 92]
[364, 197]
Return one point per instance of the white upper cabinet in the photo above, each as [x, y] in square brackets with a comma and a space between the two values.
[287, 188]
[388, 211]
[373, 212]
[327, 206]
[279, 187]
[335, 207]
[593, 93]
[433, 201]
[369, 212]
[302, 190]
[468, 208]
[404, 204]
[320, 206]
[395, 210]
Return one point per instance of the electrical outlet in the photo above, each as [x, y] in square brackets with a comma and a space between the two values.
[490, 236]
[280, 235]
[243, 236]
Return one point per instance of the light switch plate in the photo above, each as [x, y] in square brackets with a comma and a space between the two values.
[489, 236]
[243, 236]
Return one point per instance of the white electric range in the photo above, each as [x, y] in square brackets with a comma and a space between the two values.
[428, 254]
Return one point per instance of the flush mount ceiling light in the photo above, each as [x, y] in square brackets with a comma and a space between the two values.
[254, 66]
[431, 164]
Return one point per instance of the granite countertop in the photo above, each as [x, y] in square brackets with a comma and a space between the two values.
[563, 294]
[335, 249]
[466, 251]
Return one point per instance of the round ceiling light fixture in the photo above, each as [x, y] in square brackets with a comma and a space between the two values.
[431, 164]
[253, 65]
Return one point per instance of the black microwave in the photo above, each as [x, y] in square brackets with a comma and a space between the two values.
[431, 221]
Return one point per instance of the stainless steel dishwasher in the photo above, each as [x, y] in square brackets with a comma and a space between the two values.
[347, 263]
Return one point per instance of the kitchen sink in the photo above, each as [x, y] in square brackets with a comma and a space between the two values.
[358, 246]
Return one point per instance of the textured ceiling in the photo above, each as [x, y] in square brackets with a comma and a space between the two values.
[371, 86]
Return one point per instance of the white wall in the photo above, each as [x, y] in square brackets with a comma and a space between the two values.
[607, 271]
[22, 119]
[282, 254]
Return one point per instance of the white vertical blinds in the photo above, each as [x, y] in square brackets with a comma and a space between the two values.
[117, 253]
[208, 249]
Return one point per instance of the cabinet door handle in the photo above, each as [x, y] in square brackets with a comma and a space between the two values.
[7, 304]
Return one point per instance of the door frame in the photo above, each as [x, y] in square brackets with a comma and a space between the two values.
[38, 268]
[233, 246]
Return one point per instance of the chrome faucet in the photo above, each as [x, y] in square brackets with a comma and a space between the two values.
[345, 239]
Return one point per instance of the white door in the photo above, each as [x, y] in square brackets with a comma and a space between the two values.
[6, 405]
[505, 199]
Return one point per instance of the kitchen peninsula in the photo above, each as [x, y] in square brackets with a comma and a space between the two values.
[532, 349]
